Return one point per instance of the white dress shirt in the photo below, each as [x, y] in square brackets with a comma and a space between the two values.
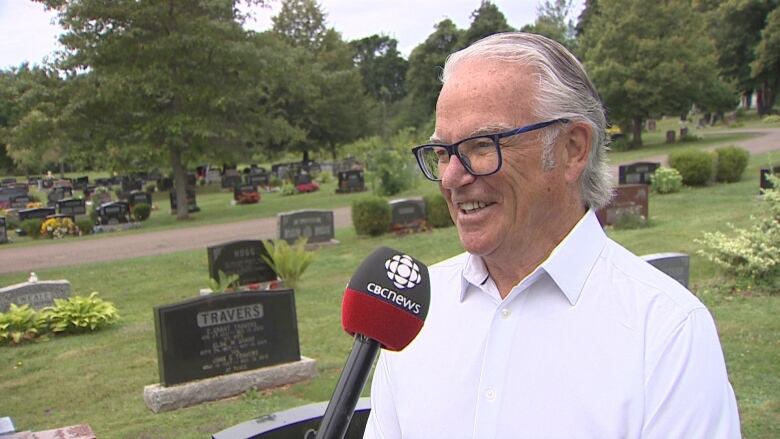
[594, 343]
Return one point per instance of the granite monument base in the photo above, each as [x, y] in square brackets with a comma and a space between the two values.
[163, 399]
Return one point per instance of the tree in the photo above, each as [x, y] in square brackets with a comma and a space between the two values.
[766, 67]
[648, 59]
[381, 66]
[485, 21]
[551, 22]
[301, 23]
[425, 64]
[175, 80]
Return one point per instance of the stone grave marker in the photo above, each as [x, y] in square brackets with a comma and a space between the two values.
[257, 179]
[225, 333]
[231, 178]
[683, 132]
[651, 124]
[164, 184]
[351, 181]
[3, 230]
[105, 182]
[407, 214]
[139, 197]
[20, 201]
[36, 294]
[243, 188]
[8, 181]
[81, 183]
[47, 183]
[192, 202]
[101, 195]
[117, 212]
[675, 265]
[316, 226]
[213, 176]
[242, 258]
[72, 207]
[302, 178]
[764, 182]
[58, 193]
[9, 192]
[670, 136]
[630, 199]
[36, 213]
[637, 173]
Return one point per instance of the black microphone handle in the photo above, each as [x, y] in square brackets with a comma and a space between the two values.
[342, 404]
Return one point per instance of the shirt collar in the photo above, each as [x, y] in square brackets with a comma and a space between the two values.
[569, 264]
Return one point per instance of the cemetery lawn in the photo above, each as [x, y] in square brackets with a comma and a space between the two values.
[99, 378]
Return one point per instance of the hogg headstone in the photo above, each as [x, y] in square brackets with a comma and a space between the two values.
[315, 225]
[408, 213]
[225, 333]
[630, 199]
[637, 173]
[36, 294]
[242, 258]
[675, 265]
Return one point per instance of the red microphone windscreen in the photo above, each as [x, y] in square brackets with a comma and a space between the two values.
[387, 299]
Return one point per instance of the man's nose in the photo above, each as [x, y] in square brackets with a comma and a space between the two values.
[455, 175]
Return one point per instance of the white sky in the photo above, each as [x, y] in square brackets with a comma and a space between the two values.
[28, 33]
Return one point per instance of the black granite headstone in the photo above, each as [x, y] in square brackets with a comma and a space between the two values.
[637, 173]
[81, 183]
[72, 207]
[20, 201]
[314, 225]
[243, 188]
[139, 197]
[242, 258]
[8, 181]
[164, 184]
[3, 230]
[407, 213]
[675, 265]
[351, 181]
[230, 179]
[36, 213]
[192, 202]
[302, 178]
[47, 183]
[114, 213]
[257, 179]
[9, 192]
[225, 333]
[629, 199]
[58, 193]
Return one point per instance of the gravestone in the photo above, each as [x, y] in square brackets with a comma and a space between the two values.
[72, 207]
[230, 179]
[128, 184]
[105, 182]
[683, 132]
[670, 136]
[36, 294]
[36, 213]
[117, 212]
[257, 179]
[213, 176]
[242, 258]
[316, 226]
[302, 178]
[58, 193]
[101, 195]
[9, 192]
[164, 184]
[225, 333]
[351, 181]
[3, 230]
[299, 422]
[651, 125]
[630, 199]
[139, 197]
[637, 173]
[8, 181]
[192, 202]
[675, 265]
[20, 201]
[81, 183]
[47, 183]
[243, 188]
[407, 214]
[764, 182]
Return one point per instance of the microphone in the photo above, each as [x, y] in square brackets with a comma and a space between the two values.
[385, 304]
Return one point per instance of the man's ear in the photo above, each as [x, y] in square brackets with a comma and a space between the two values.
[577, 150]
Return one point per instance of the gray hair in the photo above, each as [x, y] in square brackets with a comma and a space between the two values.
[563, 91]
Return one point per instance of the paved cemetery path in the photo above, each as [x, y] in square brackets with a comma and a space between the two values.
[73, 252]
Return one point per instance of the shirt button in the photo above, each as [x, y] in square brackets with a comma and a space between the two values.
[505, 313]
[490, 394]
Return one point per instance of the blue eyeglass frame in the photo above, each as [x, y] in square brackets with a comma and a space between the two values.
[452, 149]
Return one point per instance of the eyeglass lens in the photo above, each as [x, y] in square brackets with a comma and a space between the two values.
[479, 156]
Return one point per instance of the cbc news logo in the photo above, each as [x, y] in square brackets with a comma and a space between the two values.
[402, 270]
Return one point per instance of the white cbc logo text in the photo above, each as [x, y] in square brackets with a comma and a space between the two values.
[402, 270]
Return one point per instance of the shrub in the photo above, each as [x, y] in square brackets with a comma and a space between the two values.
[666, 181]
[287, 189]
[20, 323]
[325, 177]
[371, 216]
[141, 211]
[289, 262]
[689, 137]
[732, 162]
[150, 188]
[32, 227]
[772, 118]
[274, 181]
[752, 253]
[438, 215]
[695, 166]
[79, 314]
[85, 226]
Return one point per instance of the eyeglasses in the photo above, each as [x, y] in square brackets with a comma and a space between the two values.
[480, 155]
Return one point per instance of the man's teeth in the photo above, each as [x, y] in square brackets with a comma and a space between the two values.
[472, 206]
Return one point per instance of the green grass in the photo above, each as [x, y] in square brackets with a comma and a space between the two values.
[99, 378]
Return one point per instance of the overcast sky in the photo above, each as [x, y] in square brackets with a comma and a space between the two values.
[28, 33]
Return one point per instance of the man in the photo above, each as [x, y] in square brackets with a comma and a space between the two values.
[544, 328]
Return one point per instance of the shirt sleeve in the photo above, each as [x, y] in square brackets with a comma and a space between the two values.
[687, 392]
[383, 419]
